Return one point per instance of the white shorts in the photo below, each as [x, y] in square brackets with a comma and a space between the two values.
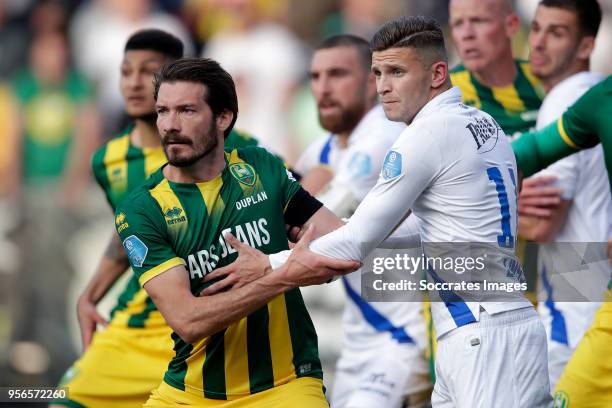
[392, 376]
[499, 361]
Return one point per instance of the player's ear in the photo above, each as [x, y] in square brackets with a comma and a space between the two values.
[439, 74]
[513, 24]
[224, 119]
[585, 48]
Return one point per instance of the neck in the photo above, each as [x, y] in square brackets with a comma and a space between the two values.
[552, 81]
[205, 169]
[500, 73]
[145, 135]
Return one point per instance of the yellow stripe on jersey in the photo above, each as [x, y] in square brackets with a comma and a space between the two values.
[535, 83]
[463, 80]
[211, 193]
[195, 365]
[136, 306]
[115, 163]
[153, 159]
[280, 341]
[236, 359]
[568, 141]
[509, 98]
[174, 213]
[159, 269]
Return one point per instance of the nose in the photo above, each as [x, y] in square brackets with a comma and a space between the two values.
[466, 31]
[383, 84]
[537, 40]
[135, 80]
[168, 122]
[321, 86]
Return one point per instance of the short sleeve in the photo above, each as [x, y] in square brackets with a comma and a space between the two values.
[145, 242]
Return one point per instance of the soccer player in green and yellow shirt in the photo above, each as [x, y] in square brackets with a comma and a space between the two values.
[254, 346]
[138, 338]
[587, 379]
[489, 77]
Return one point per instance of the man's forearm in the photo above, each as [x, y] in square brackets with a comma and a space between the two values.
[112, 265]
[536, 150]
[207, 315]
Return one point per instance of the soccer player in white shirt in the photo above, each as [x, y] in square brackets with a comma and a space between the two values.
[455, 170]
[383, 360]
[561, 41]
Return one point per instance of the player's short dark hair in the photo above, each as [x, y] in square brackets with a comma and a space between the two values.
[588, 13]
[155, 40]
[420, 33]
[347, 40]
[220, 92]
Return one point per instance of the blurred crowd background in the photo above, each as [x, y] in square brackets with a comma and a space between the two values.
[60, 100]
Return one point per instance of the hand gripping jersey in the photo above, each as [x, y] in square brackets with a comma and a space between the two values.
[454, 167]
[165, 224]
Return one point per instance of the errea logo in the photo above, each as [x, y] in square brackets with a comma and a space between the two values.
[174, 216]
[120, 222]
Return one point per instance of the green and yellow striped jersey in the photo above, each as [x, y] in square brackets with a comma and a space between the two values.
[514, 107]
[119, 167]
[164, 224]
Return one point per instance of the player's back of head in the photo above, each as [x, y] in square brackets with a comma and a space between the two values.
[155, 40]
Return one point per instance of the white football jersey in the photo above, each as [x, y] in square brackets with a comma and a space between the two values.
[357, 167]
[454, 167]
[583, 179]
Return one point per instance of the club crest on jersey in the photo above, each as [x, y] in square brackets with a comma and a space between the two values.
[485, 133]
[174, 216]
[561, 400]
[392, 166]
[136, 250]
[244, 173]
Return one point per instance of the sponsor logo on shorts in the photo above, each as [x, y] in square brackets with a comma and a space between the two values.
[136, 250]
[392, 166]
[244, 173]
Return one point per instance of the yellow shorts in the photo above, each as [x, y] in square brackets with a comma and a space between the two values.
[304, 392]
[586, 381]
[119, 369]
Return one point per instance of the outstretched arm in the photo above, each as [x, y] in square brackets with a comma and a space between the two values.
[194, 318]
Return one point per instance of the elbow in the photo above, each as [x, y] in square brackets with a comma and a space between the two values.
[191, 330]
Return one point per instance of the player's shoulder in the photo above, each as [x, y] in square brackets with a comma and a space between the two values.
[112, 146]
[241, 138]
[256, 156]
[140, 200]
